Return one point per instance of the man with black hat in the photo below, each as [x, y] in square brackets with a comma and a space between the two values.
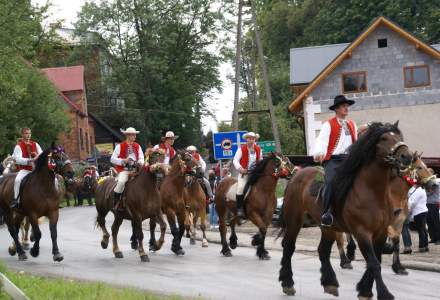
[336, 135]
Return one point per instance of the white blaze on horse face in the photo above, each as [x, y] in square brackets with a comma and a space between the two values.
[392, 133]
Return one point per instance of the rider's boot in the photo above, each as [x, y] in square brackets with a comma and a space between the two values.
[327, 217]
[240, 207]
[117, 202]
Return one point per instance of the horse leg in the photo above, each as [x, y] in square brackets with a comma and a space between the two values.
[100, 219]
[233, 240]
[133, 239]
[137, 227]
[175, 244]
[397, 266]
[181, 215]
[222, 215]
[25, 233]
[13, 231]
[115, 229]
[258, 239]
[351, 247]
[35, 250]
[53, 220]
[203, 226]
[89, 200]
[345, 262]
[152, 242]
[193, 228]
[372, 255]
[163, 228]
[328, 276]
[18, 224]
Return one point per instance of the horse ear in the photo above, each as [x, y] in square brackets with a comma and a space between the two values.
[396, 124]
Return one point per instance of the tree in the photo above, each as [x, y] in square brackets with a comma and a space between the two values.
[27, 98]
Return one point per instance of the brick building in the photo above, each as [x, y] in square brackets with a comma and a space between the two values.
[390, 74]
[79, 143]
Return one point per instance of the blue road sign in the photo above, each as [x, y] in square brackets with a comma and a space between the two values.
[226, 143]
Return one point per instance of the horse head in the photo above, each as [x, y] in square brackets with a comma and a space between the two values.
[64, 165]
[283, 167]
[419, 174]
[186, 162]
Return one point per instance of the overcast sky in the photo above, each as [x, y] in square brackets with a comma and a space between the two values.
[221, 104]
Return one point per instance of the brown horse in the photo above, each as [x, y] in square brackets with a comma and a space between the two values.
[260, 202]
[86, 189]
[362, 207]
[173, 203]
[195, 202]
[39, 197]
[64, 167]
[141, 201]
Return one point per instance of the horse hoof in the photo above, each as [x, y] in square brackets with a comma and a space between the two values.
[134, 245]
[25, 246]
[58, 257]
[145, 258]
[22, 257]
[205, 243]
[12, 250]
[332, 290]
[289, 291]
[104, 244]
[192, 241]
[402, 272]
[365, 298]
[32, 238]
[35, 252]
[233, 244]
[178, 251]
[227, 253]
[264, 256]
[119, 254]
[153, 248]
[347, 266]
[187, 235]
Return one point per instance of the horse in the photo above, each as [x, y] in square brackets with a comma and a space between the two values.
[86, 189]
[260, 203]
[419, 175]
[141, 201]
[195, 202]
[362, 207]
[39, 197]
[173, 203]
[64, 167]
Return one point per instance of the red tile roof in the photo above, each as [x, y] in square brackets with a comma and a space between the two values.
[66, 78]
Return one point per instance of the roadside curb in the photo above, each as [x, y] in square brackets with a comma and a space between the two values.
[11, 289]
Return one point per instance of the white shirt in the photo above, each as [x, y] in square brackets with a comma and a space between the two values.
[323, 139]
[167, 158]
[252, 158]
[202, 164]
[18, 155]
[416, 202]
[119, 161]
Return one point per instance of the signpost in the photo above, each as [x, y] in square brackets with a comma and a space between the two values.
[227, 143]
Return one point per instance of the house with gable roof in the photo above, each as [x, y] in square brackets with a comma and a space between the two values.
[391, 74]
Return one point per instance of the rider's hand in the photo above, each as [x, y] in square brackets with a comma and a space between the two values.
[243, 171]
[125, 161]
[319, 158]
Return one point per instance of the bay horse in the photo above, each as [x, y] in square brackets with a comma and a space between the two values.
[362, 207]
[86, 189]
[260, 201]
[141, 201]
[64, 167]
[173, 203]
[39, 197]
[195, 202]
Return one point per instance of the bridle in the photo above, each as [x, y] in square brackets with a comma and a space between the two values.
[395, 163]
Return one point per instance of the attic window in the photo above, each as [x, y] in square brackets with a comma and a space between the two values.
[382, 43]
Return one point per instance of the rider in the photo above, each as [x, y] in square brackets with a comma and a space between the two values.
[166, 145]
[336, 135]
[125, 157]
[202, 165]
[25, 152]
[245, 157]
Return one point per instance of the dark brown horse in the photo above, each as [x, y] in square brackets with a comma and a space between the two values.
[64, 167]
[39, 197]
[173, 204]
[86, 189]
[141, 201]
[195, 202]
[260, 202]
[362, 207]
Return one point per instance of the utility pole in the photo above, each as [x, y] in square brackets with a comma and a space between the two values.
[266, 79]
[237, 67]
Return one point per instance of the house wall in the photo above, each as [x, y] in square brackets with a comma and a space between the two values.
[418, 124]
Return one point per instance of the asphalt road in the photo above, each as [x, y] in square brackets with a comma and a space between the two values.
[202, 272]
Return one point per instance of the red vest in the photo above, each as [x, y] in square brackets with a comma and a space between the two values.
[26, 154]
[196, 156]
[244, 161]
[335, 135]
[164, 147]
[123, 153]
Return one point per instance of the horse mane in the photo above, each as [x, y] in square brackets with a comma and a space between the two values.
[258, 170]
[41, 161]
[360, 153]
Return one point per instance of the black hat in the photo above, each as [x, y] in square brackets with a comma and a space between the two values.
[340, 99]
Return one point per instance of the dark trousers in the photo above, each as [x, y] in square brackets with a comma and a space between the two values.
[330, 168]
[406, 236]
[420, 223]
[433, 220]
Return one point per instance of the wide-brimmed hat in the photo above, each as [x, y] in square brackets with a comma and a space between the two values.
[340, 99]
[191, 148]
[129, 130]
[251, 134]
[170, 135]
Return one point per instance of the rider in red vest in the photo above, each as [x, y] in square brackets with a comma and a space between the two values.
[201, 171]
[245, 157]
[25, 152]
[167, 146]
[336, 135]
[125, 157]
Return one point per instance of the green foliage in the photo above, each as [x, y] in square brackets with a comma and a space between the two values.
[162, 59]
[27, 98]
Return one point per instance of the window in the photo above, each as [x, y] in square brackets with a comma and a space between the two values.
[81, 138]
[416, 76]
[382, 43]
[355, 82]
[87, 142]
